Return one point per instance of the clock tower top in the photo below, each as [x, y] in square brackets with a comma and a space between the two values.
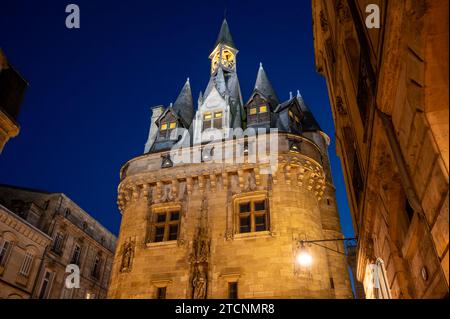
[224, 53]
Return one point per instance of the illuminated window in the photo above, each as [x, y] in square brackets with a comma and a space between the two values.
[258, 113]
[294, 119]
[218, 120]
[166, 225]
[212, 120]
[252, 215]
[167, 125]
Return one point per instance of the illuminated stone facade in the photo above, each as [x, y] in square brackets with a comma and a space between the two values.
[54, 232]
[12, 89]
[388, 91]
[229, 229]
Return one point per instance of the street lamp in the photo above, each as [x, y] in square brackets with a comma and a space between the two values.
[305, 259]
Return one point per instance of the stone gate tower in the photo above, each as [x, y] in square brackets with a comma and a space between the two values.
[217, 204]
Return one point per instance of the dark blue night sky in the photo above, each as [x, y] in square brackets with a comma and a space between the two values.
[87, 109]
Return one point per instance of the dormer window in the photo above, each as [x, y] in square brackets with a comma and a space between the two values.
[294, 118]
[258, 114]
[166, 128]
[212, 120]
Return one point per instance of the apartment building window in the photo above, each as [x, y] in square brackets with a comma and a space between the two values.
[166, 225]
[58, 243]
[252, 215]
[95, 272]
[76, 255]
[232, 290]
[5, 247]
[46, 284]
[161, 292]
[27, 264]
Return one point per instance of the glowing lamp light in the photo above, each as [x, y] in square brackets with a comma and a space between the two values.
[304, 258]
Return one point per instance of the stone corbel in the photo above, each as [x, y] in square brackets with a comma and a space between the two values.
[189, 185]
[225, 180]
[257, 176]
[213, 181]
[201, 183]
[175, 188]
[241, 178]
[287, 170]
[159, 186]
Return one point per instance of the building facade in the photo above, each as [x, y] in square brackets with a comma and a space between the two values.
[12, 90]
[212, 211]
[22, 247]
[44, 232]
[388, 89]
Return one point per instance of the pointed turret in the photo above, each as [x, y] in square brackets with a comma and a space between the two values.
[264, 86]
[309, 122]
[184, 104]
[225, 35]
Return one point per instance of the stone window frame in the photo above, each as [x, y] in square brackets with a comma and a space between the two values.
[161, 284]
[166, 208]
[59, 239]
[231, 278]
[214, 121]
[251, 197]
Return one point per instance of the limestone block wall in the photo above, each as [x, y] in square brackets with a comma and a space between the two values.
[262, 263]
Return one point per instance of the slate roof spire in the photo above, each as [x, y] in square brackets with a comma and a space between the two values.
[264, 86]
[184, 104]
[309, 121]
[225, 35]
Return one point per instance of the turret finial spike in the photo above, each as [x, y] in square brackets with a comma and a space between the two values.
[290, 95]
[298, 93]
[260, 64]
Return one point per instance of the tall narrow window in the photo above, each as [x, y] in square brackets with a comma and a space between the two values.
[27, 264]
[45, 285]
[207, 117]
[96, 267]
[4, 251]
[232, 290]
[218, 120]
[252, 215]
[76, 255]
[166, 225]
[161, 292]
[58, 243]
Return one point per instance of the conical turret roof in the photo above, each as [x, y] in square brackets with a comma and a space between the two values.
[225, 35]
[184, 104]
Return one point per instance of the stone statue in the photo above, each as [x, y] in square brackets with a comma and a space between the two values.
[127, 256]
[199, 282]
